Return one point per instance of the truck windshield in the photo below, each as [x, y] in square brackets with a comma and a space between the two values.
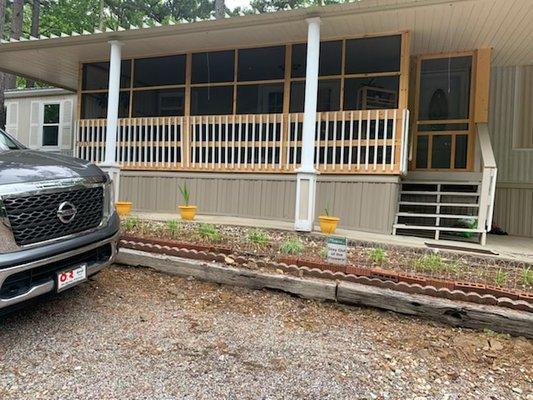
[6, 143]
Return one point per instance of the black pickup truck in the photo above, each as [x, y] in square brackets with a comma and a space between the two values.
[58, 225]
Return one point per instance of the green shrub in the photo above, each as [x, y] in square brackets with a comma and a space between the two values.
[131, 223]
[378, 255]
[430, 263]
[173, 227]
[185, 193]
[500, 278]
[527, 276]
[258, 237]
[209, 232]
[323, 253]
[291, 246]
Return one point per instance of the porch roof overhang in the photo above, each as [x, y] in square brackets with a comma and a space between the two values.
[436, 26]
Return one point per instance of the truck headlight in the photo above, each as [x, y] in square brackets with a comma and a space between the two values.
[109, 198]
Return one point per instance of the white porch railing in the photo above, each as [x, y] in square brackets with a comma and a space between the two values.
[355, 142]
[488, 181]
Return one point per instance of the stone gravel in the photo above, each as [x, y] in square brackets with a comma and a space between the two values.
[136, 334]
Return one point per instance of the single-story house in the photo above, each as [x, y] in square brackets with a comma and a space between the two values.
[42, 118]
[399, 116]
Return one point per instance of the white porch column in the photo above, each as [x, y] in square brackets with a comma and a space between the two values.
[110, 164]
[306, 174]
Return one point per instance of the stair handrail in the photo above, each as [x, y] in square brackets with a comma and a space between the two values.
[404, 157]
[488, 182]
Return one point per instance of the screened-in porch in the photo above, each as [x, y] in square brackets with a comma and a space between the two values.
[241, 109]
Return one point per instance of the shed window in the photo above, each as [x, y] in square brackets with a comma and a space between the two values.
[216, 100]
[260, 99]
[51, 120]
[96, 75]
[159, 71]
[94, 105]
[263, 63]
[371, 93]
[372, 55]
[158, 102]
[330, 59]
[213, 67]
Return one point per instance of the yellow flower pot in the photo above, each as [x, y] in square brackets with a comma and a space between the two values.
[187, 212]
[328, 224]
[123, 208]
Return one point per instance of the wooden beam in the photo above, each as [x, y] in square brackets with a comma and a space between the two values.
[482, 91]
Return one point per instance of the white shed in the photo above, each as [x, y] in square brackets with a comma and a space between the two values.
[42, 118]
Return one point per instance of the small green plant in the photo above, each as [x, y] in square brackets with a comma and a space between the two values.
[527, 276]
[323, 253]
[185, 193]
[429, 263]
[258, 237]
[131, 223]
[173, 227]
[326, 210]
[209, 232]
[500, 278]
[291, 246]
[378, 255]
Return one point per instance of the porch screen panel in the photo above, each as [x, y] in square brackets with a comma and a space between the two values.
[212, 100]
[94, 105]
[265, 63]
[373, 55]
[159, 71]
[213, 67]
[158, 102]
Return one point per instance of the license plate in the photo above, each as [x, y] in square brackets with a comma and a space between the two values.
[71, 277]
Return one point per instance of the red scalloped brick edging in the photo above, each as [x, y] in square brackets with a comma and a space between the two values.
[181, 245]
[459, 291]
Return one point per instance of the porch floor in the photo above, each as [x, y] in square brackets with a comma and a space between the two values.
[514, 248]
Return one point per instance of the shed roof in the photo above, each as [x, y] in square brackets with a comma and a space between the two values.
[436, 26]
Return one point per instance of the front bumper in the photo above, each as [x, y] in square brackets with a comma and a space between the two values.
[55, 256]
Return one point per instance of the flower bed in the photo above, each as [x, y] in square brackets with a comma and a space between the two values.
[424, 266]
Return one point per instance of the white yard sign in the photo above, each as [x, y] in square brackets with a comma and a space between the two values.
[337, 249]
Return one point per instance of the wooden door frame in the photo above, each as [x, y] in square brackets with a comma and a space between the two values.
[470, 120]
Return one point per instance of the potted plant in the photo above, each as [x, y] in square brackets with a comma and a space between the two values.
[187, 211]
[123, 208]
[328, 223]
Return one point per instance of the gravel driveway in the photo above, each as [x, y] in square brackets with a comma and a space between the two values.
[137, 334]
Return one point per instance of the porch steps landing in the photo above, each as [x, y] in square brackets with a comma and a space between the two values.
[439, 209]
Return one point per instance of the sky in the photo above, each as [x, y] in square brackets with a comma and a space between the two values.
[231, 4]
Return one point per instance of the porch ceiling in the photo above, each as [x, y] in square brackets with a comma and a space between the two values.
[436, 26]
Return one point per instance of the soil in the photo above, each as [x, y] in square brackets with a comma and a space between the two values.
[429, 263]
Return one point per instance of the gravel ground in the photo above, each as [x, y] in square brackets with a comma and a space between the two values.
[137, 334]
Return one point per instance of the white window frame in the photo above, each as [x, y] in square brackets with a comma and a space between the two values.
[42, 125]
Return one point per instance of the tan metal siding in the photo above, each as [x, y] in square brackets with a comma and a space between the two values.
[363, 203]
[514, 210]
[514, 165]
[513, 206]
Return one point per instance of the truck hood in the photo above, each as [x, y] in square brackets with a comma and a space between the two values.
[23, 166]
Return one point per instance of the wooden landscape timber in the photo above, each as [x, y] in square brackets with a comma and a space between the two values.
[456, 313]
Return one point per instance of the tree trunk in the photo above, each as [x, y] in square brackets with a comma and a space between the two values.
[102, 16]
[2, 76]
[220, 9]
[16, 33]
[35, 20]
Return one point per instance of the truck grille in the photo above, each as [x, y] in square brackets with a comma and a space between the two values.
[34, 218]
